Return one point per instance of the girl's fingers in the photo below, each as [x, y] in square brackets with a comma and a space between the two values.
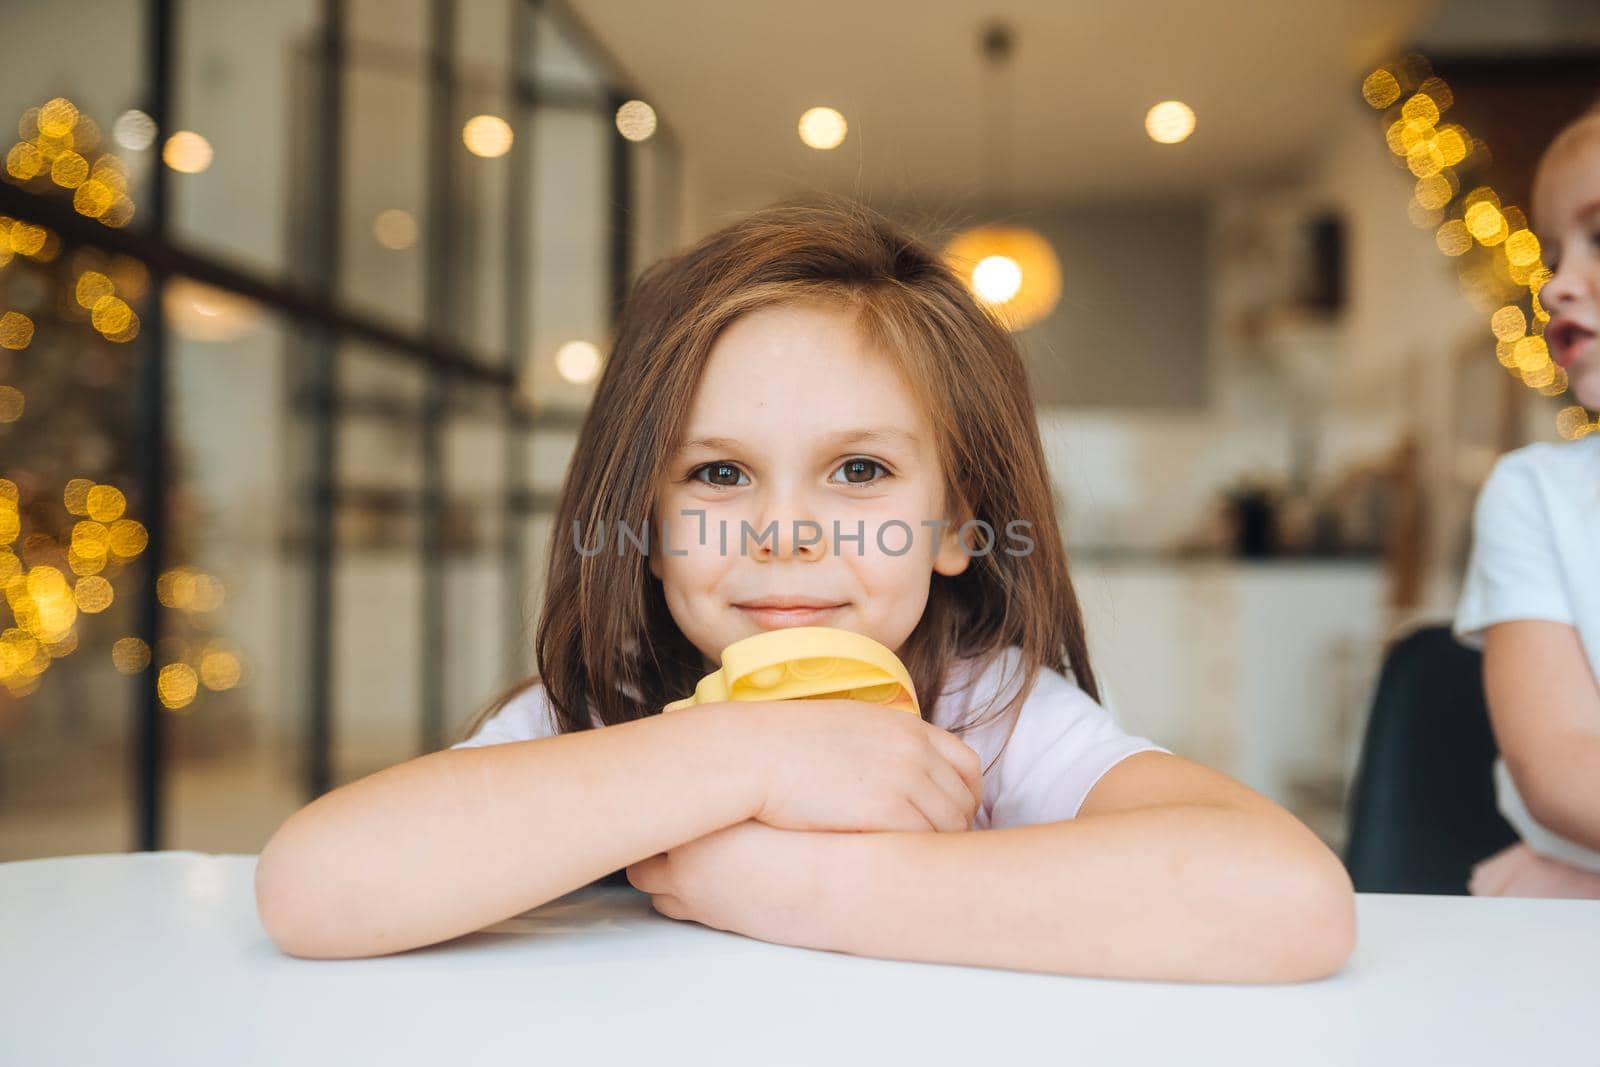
[1489, 876]
[647, 875]
[964, 759]
[1516, 873]
[942, 813]
[669, 905]
[1546, 877]
[954, 787]
[915, 820]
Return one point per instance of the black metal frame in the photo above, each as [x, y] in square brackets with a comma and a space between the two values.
[313, 305]
[323, 356]
[150, 418]
[439, 318]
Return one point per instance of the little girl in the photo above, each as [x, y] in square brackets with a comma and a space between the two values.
[807, 420]
[1532, 595]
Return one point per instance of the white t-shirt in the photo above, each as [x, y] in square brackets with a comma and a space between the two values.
[1536, 555]
[1063, 743]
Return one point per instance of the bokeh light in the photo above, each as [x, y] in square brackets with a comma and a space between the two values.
[220, 668]
[16, 331]
[190, 589]
[105, 503]
[127, 538]
[187, 152]
[823, 128]
[488, 136]
[1522, 248]
[130, 655]
[1169, 122]
[1420, 110]
[1558, 383]
[176, 685]
[996, 278]
[24, 161]
[57, 117]
[1434, 191]
[92, 285]
[69, 170]
[1437, 91]
[1508, 323]
[202, 312]
[394, 229]
[1380, 89]
[28, 239]
[578, 361]
[93, 594]
[76, 496]
[93, 198]
[1453, 238]
[1037, 292]
[111, 314]
[1452, 144]
[1485, 222]
[636, 120]
[134, 130]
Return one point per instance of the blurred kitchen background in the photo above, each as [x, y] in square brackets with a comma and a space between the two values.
[303, 303]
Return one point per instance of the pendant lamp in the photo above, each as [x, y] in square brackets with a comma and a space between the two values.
[1009, 268]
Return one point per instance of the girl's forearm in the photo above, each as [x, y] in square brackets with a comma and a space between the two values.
[1544, 705]
[1562, 788]
[1136, 894]
[453, 841]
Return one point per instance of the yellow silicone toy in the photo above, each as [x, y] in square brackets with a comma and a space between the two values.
[807, 662]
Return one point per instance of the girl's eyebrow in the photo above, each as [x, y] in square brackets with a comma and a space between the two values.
[870, 435]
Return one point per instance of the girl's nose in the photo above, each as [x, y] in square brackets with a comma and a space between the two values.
[788, 527]
[1564, 285]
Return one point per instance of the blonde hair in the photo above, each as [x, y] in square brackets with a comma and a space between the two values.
[607, 647]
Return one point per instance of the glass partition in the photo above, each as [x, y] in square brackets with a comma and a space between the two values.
[278, 460]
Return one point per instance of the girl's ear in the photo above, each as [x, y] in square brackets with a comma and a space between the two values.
[953, 557]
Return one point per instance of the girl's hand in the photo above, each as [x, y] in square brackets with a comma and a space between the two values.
[851, 765]
[1519, 871]
[747, 878]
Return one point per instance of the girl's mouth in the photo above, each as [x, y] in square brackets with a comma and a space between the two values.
[1568, 340]
[773, 618]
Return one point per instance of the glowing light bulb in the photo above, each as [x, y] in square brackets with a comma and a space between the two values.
[997, 278]
[1169, 122]
[823, 128]
[636, 120]
[487, 136]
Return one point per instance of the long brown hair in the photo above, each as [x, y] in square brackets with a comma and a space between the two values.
[607, 647]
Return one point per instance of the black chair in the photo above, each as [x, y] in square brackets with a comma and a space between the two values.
[1423, 806]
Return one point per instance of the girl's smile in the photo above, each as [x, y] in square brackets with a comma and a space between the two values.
[776, 612]
[1569, 340]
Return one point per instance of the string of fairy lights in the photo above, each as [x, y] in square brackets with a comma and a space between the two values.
[1500, 261]
[67, 553]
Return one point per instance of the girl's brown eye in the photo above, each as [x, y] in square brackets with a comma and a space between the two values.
[719, 471]
[859, 471]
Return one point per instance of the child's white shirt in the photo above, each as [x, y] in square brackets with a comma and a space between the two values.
[1536, 555]
[1063, 743]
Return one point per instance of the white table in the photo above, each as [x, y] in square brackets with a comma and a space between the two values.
[158, 958]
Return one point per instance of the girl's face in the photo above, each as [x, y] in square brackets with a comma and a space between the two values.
[1566, 200]
[800, 433]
